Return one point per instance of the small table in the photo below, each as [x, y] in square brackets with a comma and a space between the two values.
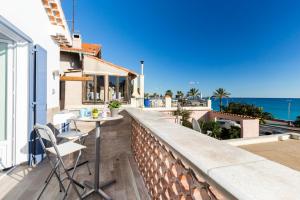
[96, 187]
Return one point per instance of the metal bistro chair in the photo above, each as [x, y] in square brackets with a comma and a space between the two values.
[62, 122]
[58, 151]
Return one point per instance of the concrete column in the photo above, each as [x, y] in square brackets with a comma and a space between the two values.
[209, 103]
[135, 87]
[141, 86]
[106, 84]
[168, 101]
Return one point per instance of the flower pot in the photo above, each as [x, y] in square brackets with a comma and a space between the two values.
[95, 115]
[114, 112]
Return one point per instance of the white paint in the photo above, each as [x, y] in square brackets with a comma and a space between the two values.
[31, 19]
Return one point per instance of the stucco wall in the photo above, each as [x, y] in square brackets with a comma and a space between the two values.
[30, 18]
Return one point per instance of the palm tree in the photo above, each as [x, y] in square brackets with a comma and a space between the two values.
[193, 92]
[220, 94]
[179, 95]
[169, 93]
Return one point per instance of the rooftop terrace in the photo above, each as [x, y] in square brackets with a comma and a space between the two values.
[152, 158]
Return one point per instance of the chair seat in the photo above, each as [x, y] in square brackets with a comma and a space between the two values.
[72, 135]
[66, 148]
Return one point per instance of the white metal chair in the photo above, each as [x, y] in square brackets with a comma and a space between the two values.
[65, 119]
[45, 134]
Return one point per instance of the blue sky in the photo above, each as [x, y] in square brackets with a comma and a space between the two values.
[250, 47]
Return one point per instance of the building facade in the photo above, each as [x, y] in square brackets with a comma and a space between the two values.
[30, 35]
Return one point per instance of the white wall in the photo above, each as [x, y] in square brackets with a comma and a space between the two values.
[30, 18]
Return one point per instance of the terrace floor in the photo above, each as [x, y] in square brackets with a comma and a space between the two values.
[286, 152]
[116, 161]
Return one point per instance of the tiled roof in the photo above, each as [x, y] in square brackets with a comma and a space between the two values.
[90, 49]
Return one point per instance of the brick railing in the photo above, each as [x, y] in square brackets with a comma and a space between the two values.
[165, 174]
[180, 163]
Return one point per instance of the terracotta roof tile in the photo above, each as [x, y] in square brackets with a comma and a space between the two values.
[92, 49]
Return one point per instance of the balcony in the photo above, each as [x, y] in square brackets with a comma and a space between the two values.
[152, 158]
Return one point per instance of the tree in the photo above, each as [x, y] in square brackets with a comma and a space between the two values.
[169, 93]
[297, 122]
[221, 93]
[249, 110]
[211, 128]
[179, 95]
[193, 92]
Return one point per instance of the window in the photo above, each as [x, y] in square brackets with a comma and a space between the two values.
[93, 91]
[123, 89]
[112, 88]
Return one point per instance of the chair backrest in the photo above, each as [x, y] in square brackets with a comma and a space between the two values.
[44, 132]
[196, 125]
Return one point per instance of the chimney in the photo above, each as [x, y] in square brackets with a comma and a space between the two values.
[77, 41]
[142, 67]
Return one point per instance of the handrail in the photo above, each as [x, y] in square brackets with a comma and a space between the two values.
[174, 160]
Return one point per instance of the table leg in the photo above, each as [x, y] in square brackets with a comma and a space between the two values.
[97, 160]
[97, 188]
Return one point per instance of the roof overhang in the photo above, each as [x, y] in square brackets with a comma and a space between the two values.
[76, 78]
[60, 32]
[94, 65]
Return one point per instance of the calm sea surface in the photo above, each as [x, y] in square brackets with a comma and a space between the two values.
[277, 106]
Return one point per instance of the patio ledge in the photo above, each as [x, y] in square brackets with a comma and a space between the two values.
[239, 174]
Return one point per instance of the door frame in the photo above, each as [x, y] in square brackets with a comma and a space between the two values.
[9, 142]
[19, 42]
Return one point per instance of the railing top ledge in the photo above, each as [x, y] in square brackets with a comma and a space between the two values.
[240, 173]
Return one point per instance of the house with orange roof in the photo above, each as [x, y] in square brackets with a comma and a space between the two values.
[89, 80]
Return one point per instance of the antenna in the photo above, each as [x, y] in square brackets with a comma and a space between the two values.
[73, 17]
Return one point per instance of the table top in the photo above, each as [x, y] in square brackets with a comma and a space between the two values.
[99, 119]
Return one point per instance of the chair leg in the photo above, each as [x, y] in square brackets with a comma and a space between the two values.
[70, 177]
[83, 155]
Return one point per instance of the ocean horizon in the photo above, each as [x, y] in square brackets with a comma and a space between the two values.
[278, 107]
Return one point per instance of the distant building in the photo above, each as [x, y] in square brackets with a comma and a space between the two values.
[87, 79]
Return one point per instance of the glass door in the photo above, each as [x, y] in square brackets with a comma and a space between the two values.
[3, 87]
[6, 133]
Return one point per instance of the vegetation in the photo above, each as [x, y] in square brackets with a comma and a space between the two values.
[193, 92]
[179, 95]
[185, 114]
[114, 104]
[297, 121]
[146, 95]
[169, 93]
[95, 110]
[249, 110]
[221, 93]
[213, 129]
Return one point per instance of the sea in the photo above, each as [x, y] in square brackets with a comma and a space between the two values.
[278, 107]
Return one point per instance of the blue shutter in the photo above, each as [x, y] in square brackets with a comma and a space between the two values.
[38, 100]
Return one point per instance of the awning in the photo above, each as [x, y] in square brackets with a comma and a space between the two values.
[76, 78]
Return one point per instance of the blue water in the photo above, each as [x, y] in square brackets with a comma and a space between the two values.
[277, 106]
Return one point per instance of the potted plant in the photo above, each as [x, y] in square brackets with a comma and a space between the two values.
[114, 107]
[95, 113]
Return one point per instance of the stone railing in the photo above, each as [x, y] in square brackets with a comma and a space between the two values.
[179, 163]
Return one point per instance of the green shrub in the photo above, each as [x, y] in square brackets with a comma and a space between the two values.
[114, 104]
